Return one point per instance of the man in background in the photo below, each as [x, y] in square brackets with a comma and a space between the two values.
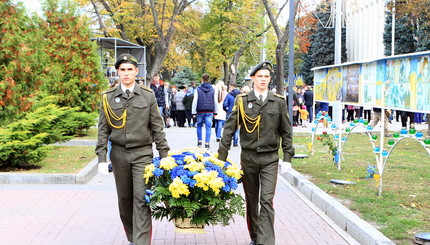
[204, 108]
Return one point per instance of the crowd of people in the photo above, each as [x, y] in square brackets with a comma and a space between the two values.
[180, 107]
[175, 103]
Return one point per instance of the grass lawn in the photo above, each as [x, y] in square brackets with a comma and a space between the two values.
[62, 160]
[404, 207]
[90, 134]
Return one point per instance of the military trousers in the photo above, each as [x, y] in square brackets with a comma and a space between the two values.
[260, 174]
[128, 167]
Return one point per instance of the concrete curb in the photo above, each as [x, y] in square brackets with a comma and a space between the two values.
[85, 175]
[359, 229]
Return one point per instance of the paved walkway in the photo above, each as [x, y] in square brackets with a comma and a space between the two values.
[88, 214]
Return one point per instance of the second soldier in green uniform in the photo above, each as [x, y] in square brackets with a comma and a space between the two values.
[263, 120]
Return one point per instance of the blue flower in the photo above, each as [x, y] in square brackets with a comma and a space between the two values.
[158, 172]
[149, 192]
[191, 173]
[193, 182]
[186, 180]
[226, 188]
[147, 199]
[156, 162]
[178, 171]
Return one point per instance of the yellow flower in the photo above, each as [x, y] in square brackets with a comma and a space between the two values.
[194, 166]
[216, 184]
[168, 163]
[209, 179]
[233, 171]
[177, 188]
[189, 159]
[148, 172]
[219, 162]
[199, 156]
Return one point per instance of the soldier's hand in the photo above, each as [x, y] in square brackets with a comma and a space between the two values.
[284, 166]
[103, 168]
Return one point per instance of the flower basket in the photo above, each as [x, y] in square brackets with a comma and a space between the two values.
[193, 188]
[185, 226]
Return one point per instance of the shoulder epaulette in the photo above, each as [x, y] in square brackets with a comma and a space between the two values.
[109, 90]
[278, 95]
[146, 88]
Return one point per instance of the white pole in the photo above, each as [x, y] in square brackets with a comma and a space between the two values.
[337, 60]
[338, 33]
[393, 28]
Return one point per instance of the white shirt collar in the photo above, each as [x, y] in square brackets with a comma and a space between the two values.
[124, 88]
[264, 94]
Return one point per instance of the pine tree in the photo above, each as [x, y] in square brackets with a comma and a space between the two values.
[20, 58]
[404, 41]
[41, 57]
[184, 76]
[73, 70]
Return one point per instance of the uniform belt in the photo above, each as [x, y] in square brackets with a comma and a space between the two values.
[255, 152]
[131, 149]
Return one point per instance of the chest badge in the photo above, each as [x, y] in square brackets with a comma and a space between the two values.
[250, 105]
[117, 99]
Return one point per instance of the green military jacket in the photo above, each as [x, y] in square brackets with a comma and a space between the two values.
[143, 123]
[274, 124]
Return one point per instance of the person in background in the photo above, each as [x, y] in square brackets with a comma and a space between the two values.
[245, 89]
[304, 114]
[188, 104]
[168, 108]
[377, 118]
[367, 112]
[428, 124]
[161, 94]
[350, 113]
[308, 96]
[172, 111]
[221, 116]
[404, 116]
[132, 129]
[324, 108]
[204, 108]
[180, 108]
[228, 108]
[296, 106]
[262, 118]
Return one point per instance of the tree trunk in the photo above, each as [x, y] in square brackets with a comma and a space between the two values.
[226, 70]
[235, 64]
[280, 74]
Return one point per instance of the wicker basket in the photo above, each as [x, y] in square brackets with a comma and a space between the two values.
[185, 226]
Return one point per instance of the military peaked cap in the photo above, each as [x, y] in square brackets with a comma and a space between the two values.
[265, 65]
[125, 58]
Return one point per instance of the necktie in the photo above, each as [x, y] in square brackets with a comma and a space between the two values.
[128, 93]
[261, 98]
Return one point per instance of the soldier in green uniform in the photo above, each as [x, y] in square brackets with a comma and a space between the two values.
[129, 117]
[263, 120]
